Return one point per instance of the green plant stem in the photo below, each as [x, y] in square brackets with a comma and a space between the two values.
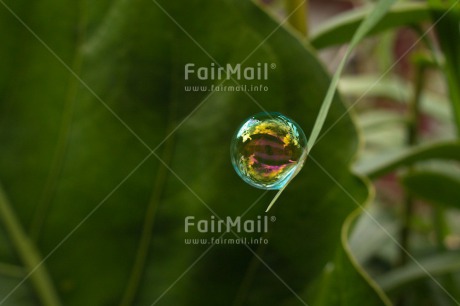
[250, 274]
[59, 154]
[441, 231]
[297, 10]
[439, 225]
[405, 231]
[454, 91]
[27, 251]
[144, 244]
[147, 231]
[65, 129]
[412, 129]
[140, 260]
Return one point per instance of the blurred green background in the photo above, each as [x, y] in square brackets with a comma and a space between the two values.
[104, 151]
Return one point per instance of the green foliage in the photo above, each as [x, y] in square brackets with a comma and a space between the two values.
[364, 28]
[106, 147]
[448, 30]
[436, 264]
[78, 168]
[340, 29]
[387, 163]
[340, 284]
[444, 186]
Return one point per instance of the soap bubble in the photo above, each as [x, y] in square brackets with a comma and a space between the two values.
[266, 150]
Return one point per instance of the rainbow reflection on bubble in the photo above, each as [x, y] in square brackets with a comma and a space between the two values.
[266, 150]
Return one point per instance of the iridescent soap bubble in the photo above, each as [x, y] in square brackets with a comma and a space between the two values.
[267, 149]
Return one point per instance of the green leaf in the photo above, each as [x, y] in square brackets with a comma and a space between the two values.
[340, 29]
[364, 28]
[89, 192]
[341, 279]
[398, 90]
[444, 188]
[435, 265]
[446, 18]
[384, 164]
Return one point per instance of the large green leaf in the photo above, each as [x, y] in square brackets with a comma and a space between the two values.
[88, 191]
